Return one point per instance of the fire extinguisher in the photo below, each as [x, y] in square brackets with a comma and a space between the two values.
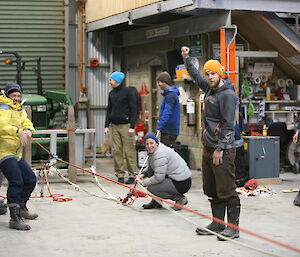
[140, 132]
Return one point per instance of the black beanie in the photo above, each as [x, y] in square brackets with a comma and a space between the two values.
[164, 77]
[11, 88]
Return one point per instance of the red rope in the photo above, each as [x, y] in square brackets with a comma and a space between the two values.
[55, 197]
[293, 248]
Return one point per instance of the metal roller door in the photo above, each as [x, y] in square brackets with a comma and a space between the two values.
[34, 29]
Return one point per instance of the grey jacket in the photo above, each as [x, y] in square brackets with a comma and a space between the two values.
[219, 115]
[165, 162]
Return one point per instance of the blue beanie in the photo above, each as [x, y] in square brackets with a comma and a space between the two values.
[117, 76]
[151, 135]
[11, 88]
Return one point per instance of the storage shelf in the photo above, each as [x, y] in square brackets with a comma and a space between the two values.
[271, 102]
[183, 80]
[279, 111]
[276, 110]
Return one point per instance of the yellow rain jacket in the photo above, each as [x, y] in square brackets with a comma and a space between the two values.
[13, 120]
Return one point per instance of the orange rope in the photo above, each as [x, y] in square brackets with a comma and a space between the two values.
[290, 247]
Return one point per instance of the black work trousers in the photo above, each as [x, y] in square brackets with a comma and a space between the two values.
[219, 181]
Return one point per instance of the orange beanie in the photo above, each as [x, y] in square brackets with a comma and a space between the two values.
[213, 65]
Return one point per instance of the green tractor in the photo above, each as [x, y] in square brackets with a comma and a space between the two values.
[44, 106]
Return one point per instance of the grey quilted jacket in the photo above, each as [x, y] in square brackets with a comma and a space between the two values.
[165, 162]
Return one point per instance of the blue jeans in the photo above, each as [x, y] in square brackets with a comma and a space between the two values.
[21, 180]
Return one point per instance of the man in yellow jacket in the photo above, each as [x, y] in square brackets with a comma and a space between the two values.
[15, 132]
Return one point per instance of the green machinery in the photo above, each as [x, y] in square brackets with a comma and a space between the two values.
[43, 109]
[44, 106]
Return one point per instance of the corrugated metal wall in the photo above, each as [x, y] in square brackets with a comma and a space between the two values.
[34, 28]
[97, 83]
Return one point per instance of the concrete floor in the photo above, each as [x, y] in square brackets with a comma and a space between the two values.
[89, 226]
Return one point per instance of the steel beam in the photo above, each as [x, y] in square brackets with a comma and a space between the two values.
[284, 28]
[290, 6]
[257, 54]
[189, 26]
[282, 6]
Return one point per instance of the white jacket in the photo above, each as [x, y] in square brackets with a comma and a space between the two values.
[166, 162]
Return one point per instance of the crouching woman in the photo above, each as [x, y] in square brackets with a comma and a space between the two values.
[167, 175]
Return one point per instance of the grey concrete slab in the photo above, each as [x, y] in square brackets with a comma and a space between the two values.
[89, 226]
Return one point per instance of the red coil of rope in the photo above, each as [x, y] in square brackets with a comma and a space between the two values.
[138, 193]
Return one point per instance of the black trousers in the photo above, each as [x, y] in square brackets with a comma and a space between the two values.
[168, 139]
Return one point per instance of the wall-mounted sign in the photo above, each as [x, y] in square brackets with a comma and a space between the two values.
[157, 32]
[195, 43]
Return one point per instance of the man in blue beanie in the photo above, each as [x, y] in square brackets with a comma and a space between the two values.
[121, 115]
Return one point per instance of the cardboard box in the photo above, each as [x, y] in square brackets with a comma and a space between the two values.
[181, 72]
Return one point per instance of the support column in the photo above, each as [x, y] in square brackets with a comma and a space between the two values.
[71, 144]
[228, 53]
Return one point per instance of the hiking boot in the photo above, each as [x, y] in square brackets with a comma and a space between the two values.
[121, 180]
[233, 216]
[25, 214]
[214, 226]
[152, 205]
[297, 199]
[218, 211]
[16, 222]
[130, 180]
[181, 201]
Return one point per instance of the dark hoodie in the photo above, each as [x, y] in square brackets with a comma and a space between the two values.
[219, 115]
[122, 107]
[169, 113]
